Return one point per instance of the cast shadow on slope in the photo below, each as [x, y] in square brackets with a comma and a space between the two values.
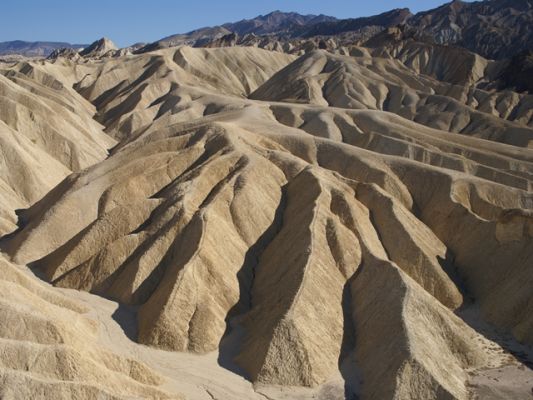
[229, 344]
[21, 223]
[522, 353]
[471, 315]
[126, 317]
[347, 366]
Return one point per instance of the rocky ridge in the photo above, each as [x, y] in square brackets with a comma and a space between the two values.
[295, 215]
[252, 220]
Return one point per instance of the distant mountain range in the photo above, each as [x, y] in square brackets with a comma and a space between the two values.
[274, 23]
[34, 49]
[329, 28]
[495, 29]
[492, 28]
[277, 22]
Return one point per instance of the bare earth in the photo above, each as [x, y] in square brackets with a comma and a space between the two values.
[265, 226]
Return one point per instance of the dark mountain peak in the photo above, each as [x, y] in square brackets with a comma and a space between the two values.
[276, 13]
[289, 15]
[399, 15]
[275, 22]
[279, 16]
[402, 10]
[456, 5]
[394, 17]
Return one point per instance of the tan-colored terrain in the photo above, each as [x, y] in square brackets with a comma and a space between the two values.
[324, 226]
[47, 132]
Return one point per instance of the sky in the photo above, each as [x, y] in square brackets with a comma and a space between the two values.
[127, 22]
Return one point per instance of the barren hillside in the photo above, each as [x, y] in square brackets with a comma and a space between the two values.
[256, 224]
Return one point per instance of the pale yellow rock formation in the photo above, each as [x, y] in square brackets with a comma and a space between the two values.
[49, 348]
[47, 133]
[326, 206]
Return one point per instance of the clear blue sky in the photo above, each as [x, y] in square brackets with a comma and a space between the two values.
[129, 21]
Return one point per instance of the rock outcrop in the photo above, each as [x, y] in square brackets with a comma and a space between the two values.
[99, 48]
